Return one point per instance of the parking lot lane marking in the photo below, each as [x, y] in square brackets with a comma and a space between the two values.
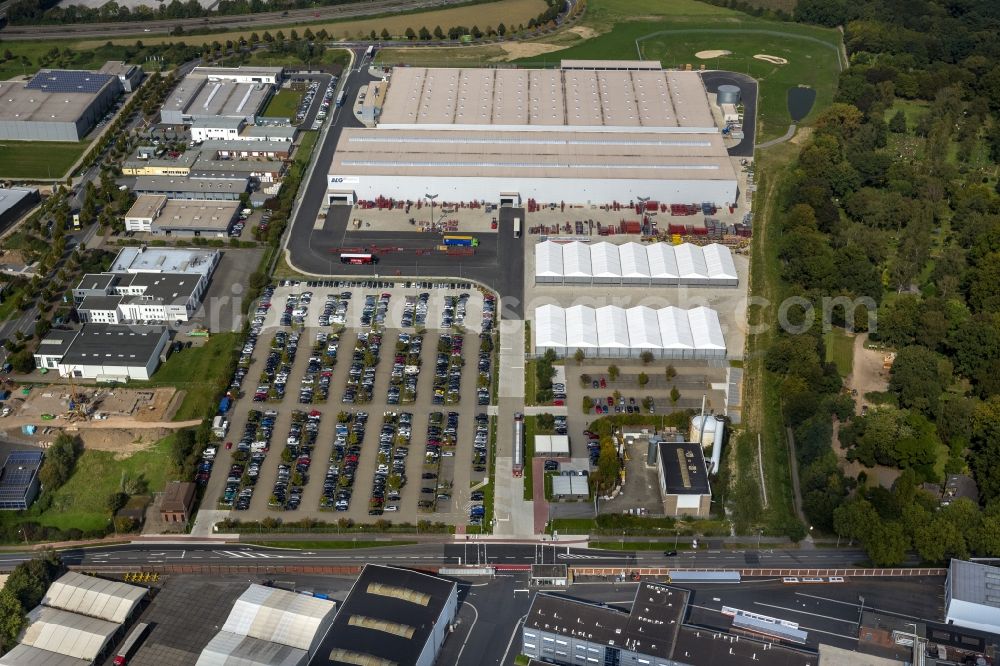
[802, 612]
[873, 608]
[835, 601]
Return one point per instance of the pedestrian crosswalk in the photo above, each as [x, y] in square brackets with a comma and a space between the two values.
[248, 554]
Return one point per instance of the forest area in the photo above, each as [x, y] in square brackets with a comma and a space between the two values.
[894, 200]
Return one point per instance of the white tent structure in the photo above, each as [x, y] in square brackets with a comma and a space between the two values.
[581, 328]
[106, 599]
[668, 333]
[576, 264]
[66, 633]
[550, 329]
[612, 332]
[548, 262]
[552, 445]
[632, 264]
[605, 264]
[269, 626]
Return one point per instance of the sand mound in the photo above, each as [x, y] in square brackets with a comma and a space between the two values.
[705, 55]
[774, 60]
[515, 50]
[583, 31]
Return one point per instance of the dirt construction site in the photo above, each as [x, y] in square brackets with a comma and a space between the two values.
[111, 419]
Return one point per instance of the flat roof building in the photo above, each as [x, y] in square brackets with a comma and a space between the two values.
[566, 631]
[55, 105]
[570, 486]
[234, 93]
[129, 76]
[158, 215]
[177, 502]
[391, 616]
[19, 483]
[103, 351]
[182, 187]
[165, 260]
[14, 203]
[972, 596]
[683, 477]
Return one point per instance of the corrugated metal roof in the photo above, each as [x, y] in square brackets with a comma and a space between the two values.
[974, 582]
[26, 655]
[67, 633]
[106, 599]
[228, 649]
[278, 616]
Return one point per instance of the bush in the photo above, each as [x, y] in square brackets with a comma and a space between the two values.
[60, 460]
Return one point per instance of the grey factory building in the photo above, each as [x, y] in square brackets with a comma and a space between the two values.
[15, 202]
[56, 105]
[220, 92]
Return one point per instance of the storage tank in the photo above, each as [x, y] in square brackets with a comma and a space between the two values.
[728, 94]
[709, 430]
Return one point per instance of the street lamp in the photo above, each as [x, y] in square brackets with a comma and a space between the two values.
[432, 197]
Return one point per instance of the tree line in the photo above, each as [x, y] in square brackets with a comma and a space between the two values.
[894, 198]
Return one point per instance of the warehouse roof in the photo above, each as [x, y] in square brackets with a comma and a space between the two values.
[101, 281]
[278, 616]
[697, 645]
[100, 302]
[113, 345]
[199, 95]
[595, 98]
[708, 263]
[613, 327]
[56, 342]
[67, 633]
[27, 655]
[559, 153]
[271, 131]
[18, 102]
[388, 617]
[242, 145]
[242, 70]
[974, 582]
[194, 214]
[164, 260]
[69, 81]
[11, 196]
[156, 184]
[227, 649]
[218, 122]
[160, 287]
[109, 600]
[147, 206]
[683, 467]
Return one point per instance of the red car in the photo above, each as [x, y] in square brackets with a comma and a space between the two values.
[604, 384]
[229, 446]
[611, 401]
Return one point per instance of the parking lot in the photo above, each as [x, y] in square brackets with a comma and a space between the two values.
[365, 402]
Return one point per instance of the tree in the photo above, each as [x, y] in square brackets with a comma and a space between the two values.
[424, 33]
[12, 619]
[384, 34]
[675, 395]
[268, 37]
[643, 379]
[578, 356]
[410, 35]
[670, 372]
[438, 32]
[887, 545]
[60, 460]
[22, 361]
[646, 357]
[115, 501]
[613, 372]
[918, 377]
[588, 404]
[897, 124]
[501, 30]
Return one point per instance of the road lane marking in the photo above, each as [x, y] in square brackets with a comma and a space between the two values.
[796, 610]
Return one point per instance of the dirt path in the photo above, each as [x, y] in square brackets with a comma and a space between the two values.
[867, 374]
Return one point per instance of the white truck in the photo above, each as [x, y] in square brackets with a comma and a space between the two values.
[220, 426]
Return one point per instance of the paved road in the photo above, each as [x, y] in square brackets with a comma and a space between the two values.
[748, 94]
[498, 262]
[473, 552]
[233, 22]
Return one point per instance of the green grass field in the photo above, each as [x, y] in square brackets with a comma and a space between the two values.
[284, 104]
[39, 159]
[81, 502]
[196, 372]
[839, 350]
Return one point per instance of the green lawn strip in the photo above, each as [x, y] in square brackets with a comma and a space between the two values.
[529, 455]
[198, 372]
[839, 350]
[39, 159]
[330, 545]
[283, 104]
[530, 383]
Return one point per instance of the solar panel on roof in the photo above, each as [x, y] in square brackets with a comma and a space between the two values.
[69, 81]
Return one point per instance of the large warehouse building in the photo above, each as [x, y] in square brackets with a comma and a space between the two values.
[55, 105]
[588, 132]
[614, 332]
[236, 93]
[656, 264]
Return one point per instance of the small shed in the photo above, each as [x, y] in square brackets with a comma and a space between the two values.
[552, 445]
[549, 574]
[178, 501]
[570, 486]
